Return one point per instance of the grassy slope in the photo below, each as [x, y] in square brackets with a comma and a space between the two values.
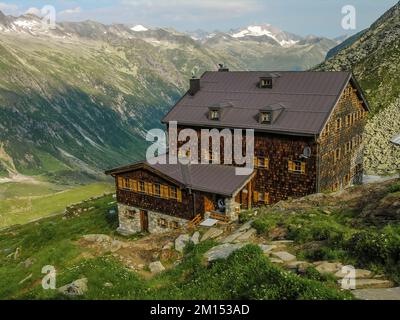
[245, 275]
[359, 227]
[44, 199]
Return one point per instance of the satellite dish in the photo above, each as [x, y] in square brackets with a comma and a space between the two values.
[306, 153]
[221, 204]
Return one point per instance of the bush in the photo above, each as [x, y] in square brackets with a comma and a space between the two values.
[394, 188]
[373, 247]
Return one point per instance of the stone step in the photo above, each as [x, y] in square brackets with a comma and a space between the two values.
[378, 294]
[371, 284]
[284, 256]
[359, 274]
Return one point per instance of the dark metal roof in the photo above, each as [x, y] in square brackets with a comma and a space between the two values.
[308, 99]
[217, 179]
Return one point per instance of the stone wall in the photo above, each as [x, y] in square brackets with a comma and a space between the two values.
[231, 208]
[129, 221]
[381, 157]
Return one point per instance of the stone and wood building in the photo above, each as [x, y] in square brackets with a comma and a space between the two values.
[308, 129]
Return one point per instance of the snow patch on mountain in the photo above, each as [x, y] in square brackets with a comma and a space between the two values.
[139, 28]
[266, 30]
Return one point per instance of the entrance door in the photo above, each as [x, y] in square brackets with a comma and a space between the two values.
[144, 220]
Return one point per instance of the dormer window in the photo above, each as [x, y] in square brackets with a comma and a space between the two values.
[266, 83]
[214, 115]
[266, 117]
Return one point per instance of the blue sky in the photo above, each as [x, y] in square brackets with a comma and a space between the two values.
[318, 17]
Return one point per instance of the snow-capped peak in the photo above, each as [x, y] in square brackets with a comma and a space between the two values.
[265, 30]
[139, 28]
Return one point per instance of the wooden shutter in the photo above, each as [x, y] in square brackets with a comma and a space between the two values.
[266, 163]
[303, 167]
[291, 166]
[266, 198]
[179, 194]
[256, 196]
[120, 182]
[256, 162]
[148, 188]
[164, 191]
[134, 185]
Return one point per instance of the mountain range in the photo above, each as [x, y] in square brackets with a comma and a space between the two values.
[80, 97]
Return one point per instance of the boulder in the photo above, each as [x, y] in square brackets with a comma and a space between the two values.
[28, 263]
[247, 235]
[100, 238]
[328, 267]
[168, 246]
[115, 245]
[195, 238]
[294, 265]
[181, 242]
[276, 261]
[211, 233]
[76, 288]
[156, 267]
[222, 251]
[277, 233]
[245, 226]
[267, 249]
[360, 274]
[284, 256]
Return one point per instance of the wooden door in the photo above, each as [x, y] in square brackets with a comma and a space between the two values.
[144, 220]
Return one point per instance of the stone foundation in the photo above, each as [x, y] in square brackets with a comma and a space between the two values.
[129, 221]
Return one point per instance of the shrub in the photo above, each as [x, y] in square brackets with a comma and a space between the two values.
[373, 247]
[394, 188]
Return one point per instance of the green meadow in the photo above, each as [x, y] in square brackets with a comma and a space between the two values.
[23, 202]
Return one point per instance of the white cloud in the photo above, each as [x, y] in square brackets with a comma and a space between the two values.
[71, 11]
[10, 7]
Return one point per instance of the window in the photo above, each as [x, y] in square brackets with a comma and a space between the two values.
[338, 123]
[326, 131]
[260, 197]
[142, 187]
[266, 117]
[297, 167]
[157, 190]
[348, 120]
[174, 225]
[214, 115]
[264, 197]
[162, 223]
[173, 193]
[261, 162]
[335, 186]
[131, 214]
[126, 184]
[265, 83]
[348, 147]
[336, 157]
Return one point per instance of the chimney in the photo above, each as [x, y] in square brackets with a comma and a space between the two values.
[222, 68]
[194, 86]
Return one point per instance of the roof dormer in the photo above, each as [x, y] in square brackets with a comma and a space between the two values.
[265, 83]
[270, 114]
[214, 114]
